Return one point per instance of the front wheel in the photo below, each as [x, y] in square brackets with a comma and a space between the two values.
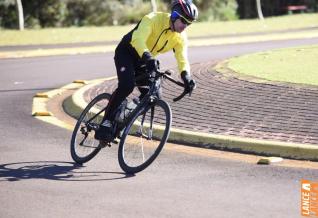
[83, 145]
[144, 137]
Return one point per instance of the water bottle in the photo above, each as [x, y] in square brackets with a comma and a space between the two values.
[131, 106]
[120, 115]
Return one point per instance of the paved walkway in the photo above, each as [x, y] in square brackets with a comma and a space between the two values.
[227, 105]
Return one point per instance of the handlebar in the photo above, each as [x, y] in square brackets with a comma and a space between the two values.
[167, 75]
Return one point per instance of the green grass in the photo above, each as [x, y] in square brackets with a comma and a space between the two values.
[247, 26]
[295, 65]
[115, 33]
[62, 35]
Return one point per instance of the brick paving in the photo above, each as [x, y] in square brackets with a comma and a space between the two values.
[228, 105]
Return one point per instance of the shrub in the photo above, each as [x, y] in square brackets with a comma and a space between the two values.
[8, 14]
[217, 10]
[44, 13]
[92, 12]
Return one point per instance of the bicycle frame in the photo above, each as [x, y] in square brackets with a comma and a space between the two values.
[150, 121]
[147, 100]
[143, 105]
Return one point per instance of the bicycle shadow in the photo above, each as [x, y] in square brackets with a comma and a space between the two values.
[54, 170]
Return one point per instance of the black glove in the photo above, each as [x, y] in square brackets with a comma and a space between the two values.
[189, 84]
[152, 64]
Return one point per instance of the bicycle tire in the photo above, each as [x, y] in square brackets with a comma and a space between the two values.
[134, 157]
[85, 152]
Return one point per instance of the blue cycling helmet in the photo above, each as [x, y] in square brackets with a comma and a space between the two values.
[185, 10]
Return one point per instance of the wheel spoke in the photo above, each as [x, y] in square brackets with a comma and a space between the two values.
[142, 149]
[144, 137]
[83, 145]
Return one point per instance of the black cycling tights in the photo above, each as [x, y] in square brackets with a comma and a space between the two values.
[126, 65]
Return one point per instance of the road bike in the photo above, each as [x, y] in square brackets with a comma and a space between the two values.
[141, 127]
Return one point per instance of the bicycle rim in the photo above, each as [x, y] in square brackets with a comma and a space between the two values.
[83, 145]
[144, 137]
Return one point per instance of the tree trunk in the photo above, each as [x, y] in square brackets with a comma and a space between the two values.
[20, 14]
[154, 5]
[259, 10]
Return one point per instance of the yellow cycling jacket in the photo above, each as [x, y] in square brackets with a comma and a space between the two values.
[154, 35]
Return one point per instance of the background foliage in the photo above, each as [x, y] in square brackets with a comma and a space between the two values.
[65, 13]
[53, 13]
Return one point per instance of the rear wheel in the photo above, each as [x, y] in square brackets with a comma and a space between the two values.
[83, 145]
[144, 137]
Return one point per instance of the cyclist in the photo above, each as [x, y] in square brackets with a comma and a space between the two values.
[157, 32]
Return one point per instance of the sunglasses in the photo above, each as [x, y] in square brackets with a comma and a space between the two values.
[185, 21]
[182, 18]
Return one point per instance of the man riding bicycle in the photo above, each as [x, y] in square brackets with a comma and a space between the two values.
[156, 33]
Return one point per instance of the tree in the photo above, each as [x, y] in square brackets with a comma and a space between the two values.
[259, 10]
[154, 5]
[20, 14]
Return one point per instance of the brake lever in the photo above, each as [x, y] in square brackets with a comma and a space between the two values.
[193, 87]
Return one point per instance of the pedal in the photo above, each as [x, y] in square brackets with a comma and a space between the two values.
[116, 141]
[103, 144]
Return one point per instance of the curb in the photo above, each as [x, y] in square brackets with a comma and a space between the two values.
[40, 100]
[75, 104]
[56, 52]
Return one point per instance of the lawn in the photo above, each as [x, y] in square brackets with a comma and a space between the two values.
[295, 65]
[115, 33]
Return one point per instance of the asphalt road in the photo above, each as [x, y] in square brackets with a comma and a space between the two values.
[38, 178]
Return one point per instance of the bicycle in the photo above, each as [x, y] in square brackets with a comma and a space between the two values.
[142, 130]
